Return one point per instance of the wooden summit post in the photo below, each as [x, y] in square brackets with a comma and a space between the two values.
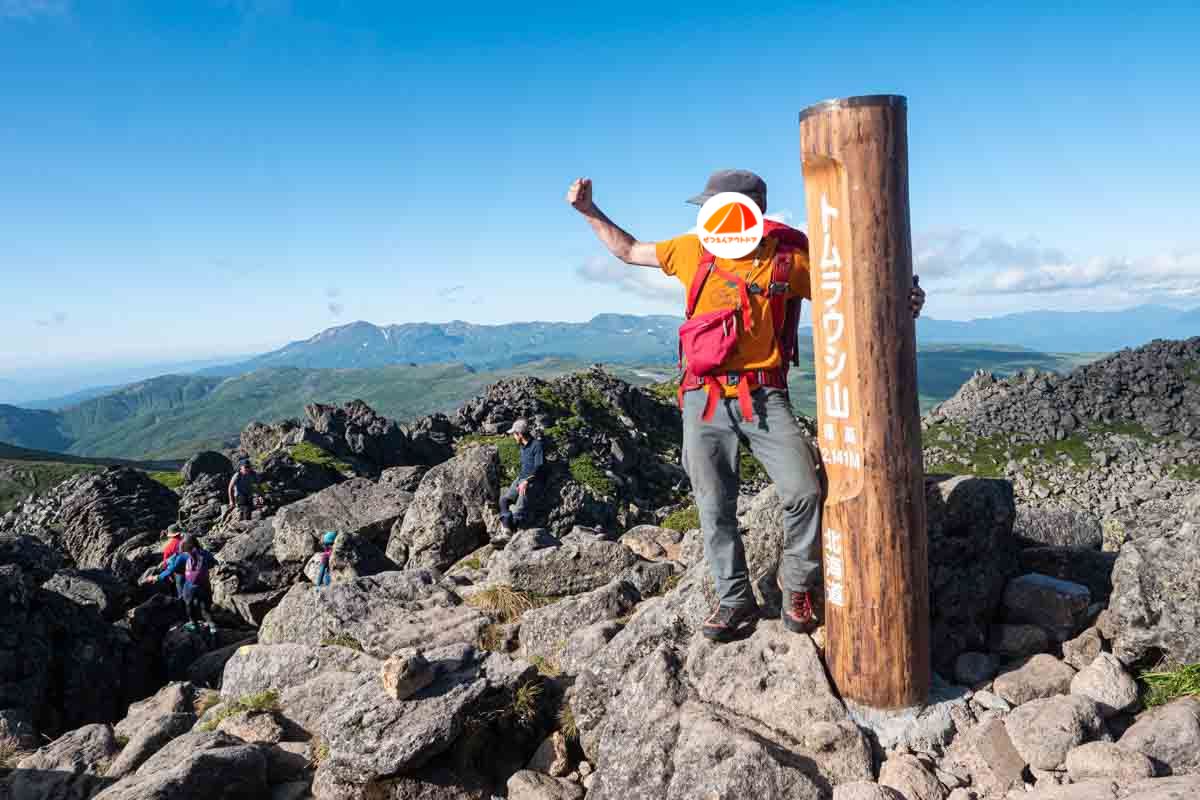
[854, 155]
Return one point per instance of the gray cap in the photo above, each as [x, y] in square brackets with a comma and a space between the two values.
[731, 180]
[520, 426]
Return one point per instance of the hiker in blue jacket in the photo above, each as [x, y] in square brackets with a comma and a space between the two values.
[323, 577]
[514, 501]
[194, 563]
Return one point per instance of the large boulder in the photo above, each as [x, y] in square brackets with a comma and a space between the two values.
[378, 614]
[355, 431]
[1044, 731]
[1169, 736]
[352, 557]
[1059, 607]
[1041, 676]
[1108, 684]
[71, 767]
[545, 631]
[96, 588]
[535, 561]
[36, 559]
[149, 738]
[359, 507]
[452, 512]
[972, 556]
[203, 503]
[1155, 608]
[105, 519]
[248, 580]
[209, 766]
[207, 462]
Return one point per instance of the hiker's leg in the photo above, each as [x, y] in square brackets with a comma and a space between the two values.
[780, 445]
[521, 505]
[710, 459]
[204, 599]
[509, 496]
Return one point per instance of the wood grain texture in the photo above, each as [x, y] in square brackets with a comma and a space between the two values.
[855, 160]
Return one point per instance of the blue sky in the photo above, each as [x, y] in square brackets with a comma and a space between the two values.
[198, 178]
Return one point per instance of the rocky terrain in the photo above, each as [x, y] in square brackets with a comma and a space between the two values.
[450, 662]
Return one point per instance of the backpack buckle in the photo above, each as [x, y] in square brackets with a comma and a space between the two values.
[754, 288]
[732, 379]
[778, 287]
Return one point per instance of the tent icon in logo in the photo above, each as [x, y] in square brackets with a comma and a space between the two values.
[731, 218]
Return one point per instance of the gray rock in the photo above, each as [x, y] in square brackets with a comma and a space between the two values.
[1174, 788]
[288, 761]
[451, 513]
[206, 462]
[545, 631]
[986, 754]
[972, 669]
[174, 698]
[261, 727]
[1057, 527]
[553, 756]
[1059, 607]
[907, 775]
[862, 790]
[352, 557]
[33, 556]
[1101, 760]
[1169, 735]
[991, 702]
[1018, 641]
[1089, 790]
[654, 543]
[1044, 731]
[151, 737]
[1081, 651]
[530, 785]
[585, 643]
[242, 771]
[405, 673]
[380, 614]
[1151, 610]
[206, 671]
[972, 555]
[71, 767]
[360, 507]
[1041, 676]
[1082, 565]
[534, 561]
[1106, 682]
[97, 588]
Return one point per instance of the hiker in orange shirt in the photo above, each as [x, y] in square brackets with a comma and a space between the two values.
[743, 397]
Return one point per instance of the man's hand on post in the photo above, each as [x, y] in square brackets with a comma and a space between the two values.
[579, 196]
[916, 298]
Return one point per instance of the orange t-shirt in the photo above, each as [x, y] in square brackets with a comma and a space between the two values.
[755, 348]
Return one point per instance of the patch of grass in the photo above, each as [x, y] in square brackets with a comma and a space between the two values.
[491, 638]
[121, 740]
[526, 703]
[546, 667]
[750, 470]
[555, 403]
[309, 453]
[1186, 472]
[171, 480]
[1163, 686]
[204, 701]
[1124, 428]
[566, 722]
[472, 562]
[667, 391]
[507, 449]
[1191, 371]
[342, 640]
[683, 520]
[261, 701]
[11, 752]
[671, 582]
[1073, 447]
[506, 603]
[584, 469]
[318, 751]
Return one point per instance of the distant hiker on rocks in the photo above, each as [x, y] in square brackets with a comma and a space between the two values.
[241, 491]
[743, 397]
[515, 500]
[193, 562]
[174, 538]
[323, 577]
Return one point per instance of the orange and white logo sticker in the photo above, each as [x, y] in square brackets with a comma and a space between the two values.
[730, 225]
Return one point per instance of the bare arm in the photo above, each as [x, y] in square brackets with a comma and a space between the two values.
[618, 241]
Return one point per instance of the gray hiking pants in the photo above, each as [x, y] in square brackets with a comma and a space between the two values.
[710, 457]
[513, 503]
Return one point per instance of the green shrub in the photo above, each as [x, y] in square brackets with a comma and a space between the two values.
[1186, 472]
[507, 449]
[309, 453]
[171, 480]
[566, 722]
[546, 667]
[1161, 687]
[667, 391]
[526, 703]
[584, 469]
[683, 520]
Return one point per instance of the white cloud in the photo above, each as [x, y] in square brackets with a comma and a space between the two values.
[969, 263]
[651, 284]
[29, 9]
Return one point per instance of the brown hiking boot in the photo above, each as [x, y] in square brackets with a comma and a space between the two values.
[798, 614]
[724, 623]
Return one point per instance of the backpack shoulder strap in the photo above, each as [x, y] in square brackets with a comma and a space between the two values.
[785, 312]
[707, 264]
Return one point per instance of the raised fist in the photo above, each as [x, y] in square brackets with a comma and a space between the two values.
[579, 196]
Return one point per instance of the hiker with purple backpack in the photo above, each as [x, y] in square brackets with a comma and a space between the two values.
[193, 562]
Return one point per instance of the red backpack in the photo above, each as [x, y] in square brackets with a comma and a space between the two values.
[707, 340]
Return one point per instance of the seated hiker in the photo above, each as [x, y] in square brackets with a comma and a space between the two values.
[241, 490]
[323, 577]
[194, 563]
[515, 499]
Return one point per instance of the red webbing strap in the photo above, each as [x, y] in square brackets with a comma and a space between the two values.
[781, 274]
[714, 395]
[744, 401]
